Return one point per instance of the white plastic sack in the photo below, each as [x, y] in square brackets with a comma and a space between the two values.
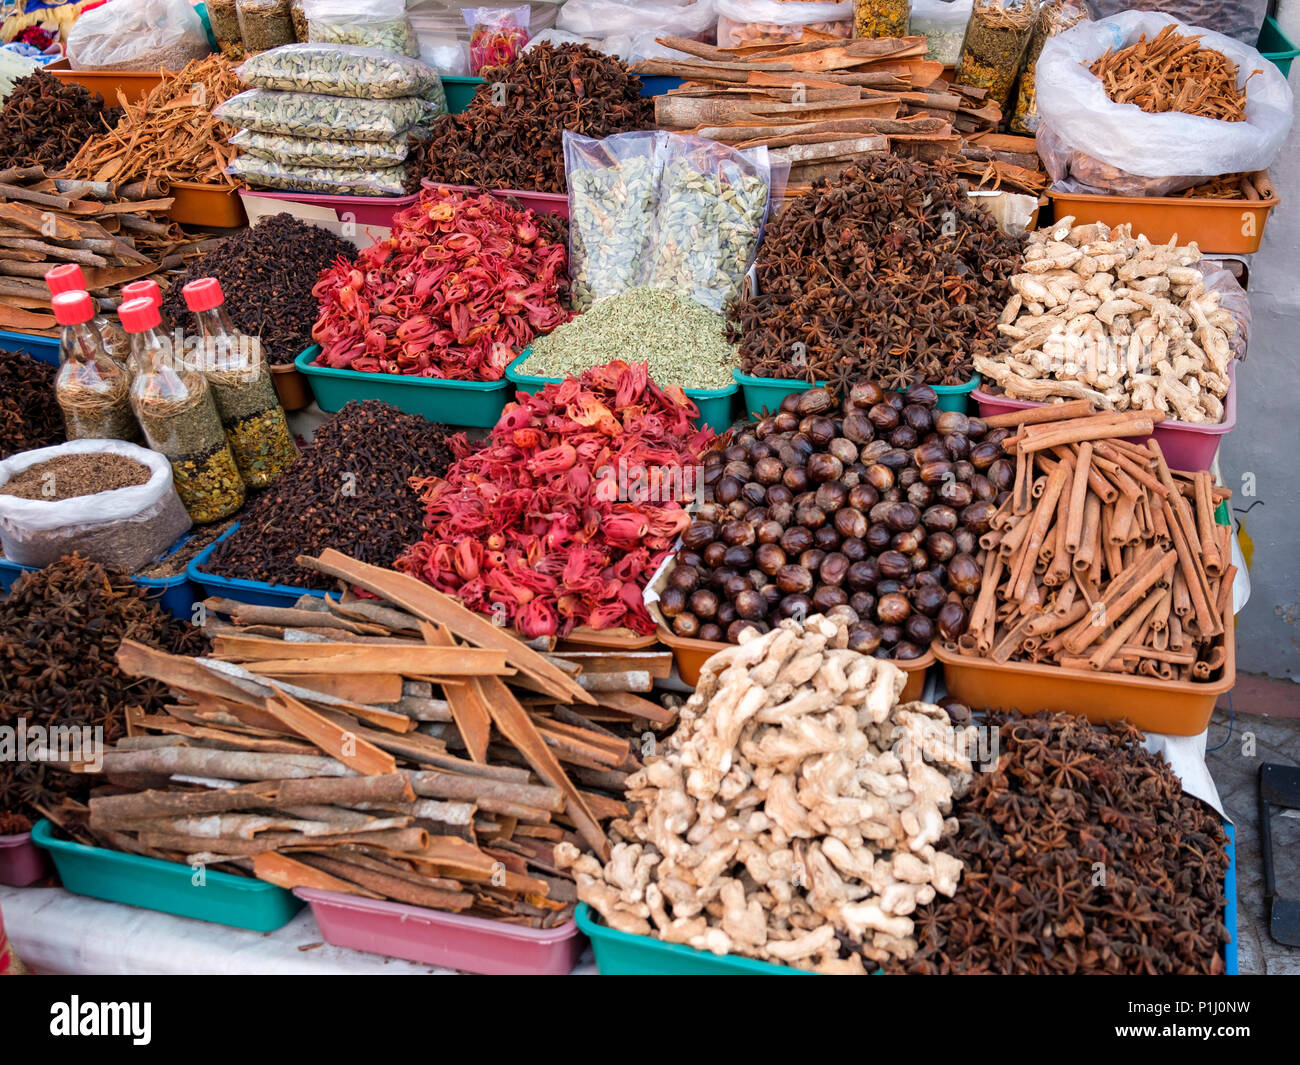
[634, 49]
[1100, 145]
[137, 35]
[740, 21]
[664, 18]
[445, 52]
[125, 529]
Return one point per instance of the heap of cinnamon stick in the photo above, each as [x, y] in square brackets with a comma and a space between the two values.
[398, 747]
[117, 233]
[1102, 558]
[824, 104]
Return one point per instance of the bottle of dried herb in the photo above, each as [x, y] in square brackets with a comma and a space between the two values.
[1054, 16]
[93, 391]
[242, 386]
[69, 278]
[881, 18]
[179, 417]
[996, 38]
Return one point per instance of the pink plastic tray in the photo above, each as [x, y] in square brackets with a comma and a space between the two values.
[21, 861]
[366, 210]
[1186, 446]
[556, 203]
[471, 944]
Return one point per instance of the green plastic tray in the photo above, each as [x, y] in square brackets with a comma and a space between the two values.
[460, 91]
[715, 404]
[471, 403]
[957, 397]
[621, 954]
[167, 886]
[1276, 46]
[767, 392]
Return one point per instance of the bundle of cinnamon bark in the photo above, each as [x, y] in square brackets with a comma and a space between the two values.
[1102, 558]
[392, 746]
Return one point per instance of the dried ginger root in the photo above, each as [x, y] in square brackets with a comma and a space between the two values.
[793, 814]
[1099, 314]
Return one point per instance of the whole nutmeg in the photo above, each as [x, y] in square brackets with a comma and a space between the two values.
[795, 606]
[708, 512]
[883, 417]
[827, 596]
[957, 493]
[824, 468]
[703, 603]
[863, 604]
[827, 538]
[737, 584]
[908, 541]
[726, 613]
[790, 401]
[863, 497]
[928, 600]
[940, 546]
[902, 516]
[738, 534]
[918, 417]
[964, 574]
[699, 533]
[765, 427]
[863, 576]
[742, 471]
[796, 540]
[687, 578]
[920, 494]
[854, 549]
[982, 487]
[812, 559]
[830, 496]
[779, 493]
[782, 513]
[1002, 474]
[810, 516]
[769, 558]
[687, 557]
[889, 636]
[908, 476]
[952, 422]
[865, 394]
[951, 620]
[687, 625]
[794, 579]
[870, 453]
[850, 523]
[923, 395]
[819, 429]
[739, 557]
[814, 401]
[893, 609]
[936, 473]
[896, 458]
[768, 471]
[795, 478]
[769, 531]
[939, 518]
[771, 595]
[714, 553]
[712, 632]
[834, 569]
[845, 450]
[880, 477]
[905, 650]
[786, 421]
[737, 627]
[904, 436]
[751, 606]
[858, 428]
[966, 541]
[958, 446]
[978, 516]
[672, 601]
[878, 536]
[727, 490]
[894, 565]
[864, 638]
[984, 454]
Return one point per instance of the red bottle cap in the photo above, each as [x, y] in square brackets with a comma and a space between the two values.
[139, 315]
[142, 290]
[204, 294]
[73, 308]
[65, 278]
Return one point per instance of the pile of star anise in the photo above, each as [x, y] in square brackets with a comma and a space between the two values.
[888, 273]
[60, 629]
[1082, 854]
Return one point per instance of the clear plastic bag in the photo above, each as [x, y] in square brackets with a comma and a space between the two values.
[337, 181]
[445, 52]
[382, 24]
[305, 114]
[943, 25]
[613, 194]
[1233, 299]
[742, 22]
[713, 204]
[994, 47]
[1054, 17]
[340, 70]
[311, 151]
[618, 18]
[1238, 19]
[140, 35]
[266, 24]
[498, 35]
[124, 529]
[1101, 146]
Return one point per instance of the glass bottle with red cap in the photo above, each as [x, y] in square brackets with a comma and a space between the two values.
[93, 391]
[68, 277]
[241, 383]
[179, 417]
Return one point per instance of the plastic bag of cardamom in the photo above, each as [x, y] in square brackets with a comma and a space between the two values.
[383, 24]
[335, 180]
[341, 70]
[307, 114]
[613, 194]
[713, 204]
[309, 151]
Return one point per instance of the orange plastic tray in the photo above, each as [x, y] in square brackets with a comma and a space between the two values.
[134, 84]
[613, 640]
[1176, 708]
[690, 655]
[1219, 227]
[209, 206]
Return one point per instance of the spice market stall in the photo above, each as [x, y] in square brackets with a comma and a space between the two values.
[753, 509]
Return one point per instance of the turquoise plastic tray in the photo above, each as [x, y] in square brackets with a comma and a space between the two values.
[1276, 46]
[621, 954]
[476, 404]
[715, 404]
[167, 886]
[767, 392]
[957, 397]
[255, 593]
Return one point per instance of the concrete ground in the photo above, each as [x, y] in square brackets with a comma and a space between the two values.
[1262, 726]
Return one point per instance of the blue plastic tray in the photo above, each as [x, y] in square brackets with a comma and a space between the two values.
[176, 594]
[44, 348]
[1230, 903]
[255, 593]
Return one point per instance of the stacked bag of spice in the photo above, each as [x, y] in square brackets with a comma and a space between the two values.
[335, 118]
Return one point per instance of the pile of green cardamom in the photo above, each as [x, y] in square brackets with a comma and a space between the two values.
[684, 342]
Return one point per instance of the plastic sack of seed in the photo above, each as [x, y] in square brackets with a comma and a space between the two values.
[141, 35]
[338, 181]
[1054, 16]
[943, 25]
[994, 46]
[743, 22]
[305, 114]
[381, 24]
[124, 529]
[1089, 143]
[613, 193]
[308, 151]
[339, 70]
[713, 203]
[498, 35]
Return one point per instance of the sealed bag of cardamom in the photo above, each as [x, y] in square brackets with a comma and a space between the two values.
[309, 151]
[613, 194]
[382, 24]
[713, 204]
[309, 114]
[340, 70]
[335, 180]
